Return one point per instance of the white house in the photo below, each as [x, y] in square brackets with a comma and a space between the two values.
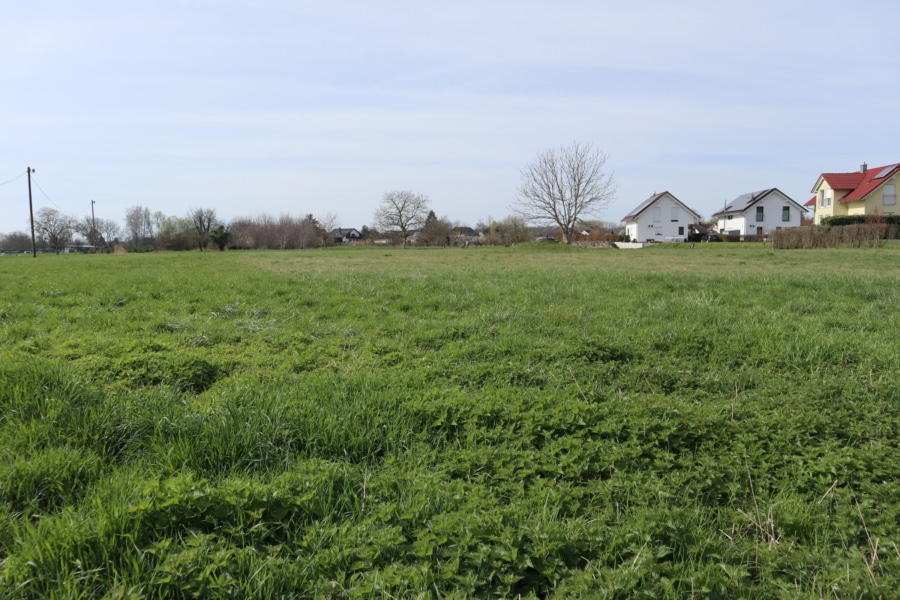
[759, 213]
[659, 218]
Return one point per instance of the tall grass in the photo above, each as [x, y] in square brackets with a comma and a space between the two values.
[534, 421]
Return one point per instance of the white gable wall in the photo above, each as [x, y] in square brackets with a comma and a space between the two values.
[658, 221]
[772, 205]
[734, 224]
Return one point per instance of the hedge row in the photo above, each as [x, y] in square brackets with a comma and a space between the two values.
[841, 220]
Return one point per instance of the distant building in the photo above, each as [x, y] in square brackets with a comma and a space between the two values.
[661, 217]
[344, 236]
[863, 192]
[759, 213]
[79, 249]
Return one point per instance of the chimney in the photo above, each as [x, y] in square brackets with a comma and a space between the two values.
[863, 168]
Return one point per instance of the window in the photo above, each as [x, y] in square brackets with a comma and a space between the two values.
[822, 198]
[681, 231]
[828, 195]
[890, 194]
[729, 217]
[760, 216]
[674, 214]
[785, 213]
[657, 214]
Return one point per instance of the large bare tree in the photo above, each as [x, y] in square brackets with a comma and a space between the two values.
[55, 227]
[401, 210]
[562, 185]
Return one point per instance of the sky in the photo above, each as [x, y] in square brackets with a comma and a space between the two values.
[298, 107]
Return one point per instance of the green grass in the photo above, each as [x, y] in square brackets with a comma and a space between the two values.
[537, 421]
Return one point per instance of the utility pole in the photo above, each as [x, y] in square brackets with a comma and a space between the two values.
[93, 239]
[31, 212]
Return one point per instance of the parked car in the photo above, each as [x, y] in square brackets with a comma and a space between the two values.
[710, 237]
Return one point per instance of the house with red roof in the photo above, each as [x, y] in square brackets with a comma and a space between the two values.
[661, 217]
[864, 192]
[759, 213]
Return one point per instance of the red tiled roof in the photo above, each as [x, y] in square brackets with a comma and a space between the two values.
[870, 183]
[860, 184]
[844, 181]
[811, 202]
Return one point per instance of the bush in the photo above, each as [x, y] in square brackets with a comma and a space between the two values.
[841, 220]
[870, 233]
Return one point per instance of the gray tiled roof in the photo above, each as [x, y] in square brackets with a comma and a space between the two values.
[745, 201]
[643, 205]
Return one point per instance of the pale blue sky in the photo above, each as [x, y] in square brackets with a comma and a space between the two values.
[277, 106]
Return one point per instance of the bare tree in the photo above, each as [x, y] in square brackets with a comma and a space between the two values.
[244, 232]
[156, 222]
[86, 227]
[203, 220]
[55, 227]
[274, 233]
[327, 223]
[109, 231]
[560, 186]
[138, 224]
[307, 232]
[401, 210]
[283, 231]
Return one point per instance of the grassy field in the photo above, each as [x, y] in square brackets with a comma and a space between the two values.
[537, 421]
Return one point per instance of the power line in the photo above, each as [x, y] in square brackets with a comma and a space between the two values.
[14, 178]
[71, 214]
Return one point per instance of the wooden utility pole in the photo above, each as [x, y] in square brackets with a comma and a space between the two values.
[31, 212]
[93, 239]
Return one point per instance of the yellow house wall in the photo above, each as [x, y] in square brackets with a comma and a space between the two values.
[873, 204]
[836, 207]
